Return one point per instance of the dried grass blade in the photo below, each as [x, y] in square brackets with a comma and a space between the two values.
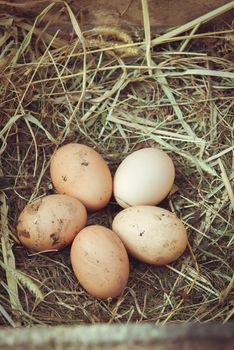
[226, 183]
[78, 32]
[26, 281]
[197, 283]
[187, 40]
[75, 25]
[6, 315]
[226, 292]
[48, 38]
[36, 122]
[114, 89]
[168, 92]
[9, 124]
[28, 37]
[8, 255]
[202, 72]
[146, 20]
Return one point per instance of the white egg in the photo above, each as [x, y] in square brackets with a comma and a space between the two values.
[145, 177]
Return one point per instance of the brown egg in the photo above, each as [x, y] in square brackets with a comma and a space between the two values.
[51, 222]
[100, 262]
[151, 234]
[79, 171]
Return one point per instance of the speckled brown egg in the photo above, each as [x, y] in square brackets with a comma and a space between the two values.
[79, 171]
[51, 222]
[100, 261]
[151, 234]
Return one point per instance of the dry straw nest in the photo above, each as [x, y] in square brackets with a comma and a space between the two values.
[109, 90]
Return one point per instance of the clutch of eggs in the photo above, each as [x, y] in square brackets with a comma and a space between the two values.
[99, 255]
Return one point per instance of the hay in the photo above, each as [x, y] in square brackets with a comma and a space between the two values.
[103, 89]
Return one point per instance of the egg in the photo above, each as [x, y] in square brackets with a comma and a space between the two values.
[145, 177]
[79, 171]
[151, 234]
[100, 262]
[51, 222]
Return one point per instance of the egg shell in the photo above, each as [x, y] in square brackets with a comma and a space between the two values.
[145, 177]
[79, 171]
[100, 262]
[51, 222]
[151, 234]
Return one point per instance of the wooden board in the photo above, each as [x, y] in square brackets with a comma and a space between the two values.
[121, 337]
[164, 14]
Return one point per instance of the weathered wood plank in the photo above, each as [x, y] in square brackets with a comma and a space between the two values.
[164, 14]
[120, 337]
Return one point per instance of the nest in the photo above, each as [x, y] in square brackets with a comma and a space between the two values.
[106, 89]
